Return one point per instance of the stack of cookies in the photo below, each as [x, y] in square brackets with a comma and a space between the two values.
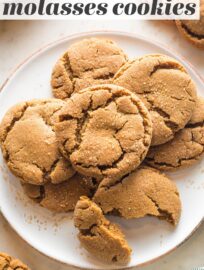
[98, 147]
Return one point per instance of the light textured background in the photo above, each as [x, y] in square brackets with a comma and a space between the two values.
[18, 39]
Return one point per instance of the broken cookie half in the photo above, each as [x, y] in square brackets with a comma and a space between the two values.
[143, 192]
[97, 235]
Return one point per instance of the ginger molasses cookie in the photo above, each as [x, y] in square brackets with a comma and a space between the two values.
[186, 147]
[29, 142]
[9, 263]
[104, 130]
[166, 89]
[144, 192]
[86, 63]
[103, 239]
[58, 197]
[193, 30]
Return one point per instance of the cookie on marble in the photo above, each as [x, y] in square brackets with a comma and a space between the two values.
[9, 263]
[29, 142]
[144, 192]
[99, 236]
[185, 149]
[166, 89]
[193, 30]
[88, 62]
[104, 130]
[58, 197]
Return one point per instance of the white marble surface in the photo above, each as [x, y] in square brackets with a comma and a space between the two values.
[17, 41]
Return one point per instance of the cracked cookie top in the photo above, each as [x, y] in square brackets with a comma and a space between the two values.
[103, 239]
[144, 192]
[29, 142]
[58, 197]
[7, 262]
[193, 30]
[104, 130]
[86, 63]
[186, 147]
[166, 89]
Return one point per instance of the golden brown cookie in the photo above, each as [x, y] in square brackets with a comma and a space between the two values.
[104, 130]
[59, 197]
[166, 89]
[185, 149]
[88, 62]
[9, 263]
[193, 30]
[103, 239]
[144, 192]
[29, 143]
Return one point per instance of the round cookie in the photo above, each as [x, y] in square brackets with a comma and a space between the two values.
[88, 62]
[144, 192]
[104, 130]
[29, 142]
[193, 30]
[166, 89]
[9, 263]
[59, 197]
[185, 149]
[103, 239]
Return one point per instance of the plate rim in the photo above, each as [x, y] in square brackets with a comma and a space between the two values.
[82, 34]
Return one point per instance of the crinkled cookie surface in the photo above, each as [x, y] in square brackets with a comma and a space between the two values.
[86, 63]
[104, 130]
[58, 197]
[9, 263]
[185, 149]
[166, 89]
[144, 192]
[193, 30]
[103, 239]
[29, 143]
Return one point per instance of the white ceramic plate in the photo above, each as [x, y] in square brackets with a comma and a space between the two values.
[55, 235]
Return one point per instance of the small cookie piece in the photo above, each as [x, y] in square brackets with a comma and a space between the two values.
[185, 149]
[193, 30]
[59, 197]
[29, 142]
[144, 192]
[9, 263]
[88, 62]
[104, 130]
[103, 239]
[166, 89]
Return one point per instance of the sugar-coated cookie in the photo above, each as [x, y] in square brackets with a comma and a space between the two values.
[166, 89]
[104, 130]
[29, 142]
[99, 236]
[185, 148]
[86, 63]
[58, 197]
[144, 192]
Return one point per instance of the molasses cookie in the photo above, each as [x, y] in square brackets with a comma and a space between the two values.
[29, 143]
[104, 130]
[59, 197]
[88, 62]
[9, 263]
[98, 236]
[193, 30]
[185, 149]
[166, 89]
[144, 192]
